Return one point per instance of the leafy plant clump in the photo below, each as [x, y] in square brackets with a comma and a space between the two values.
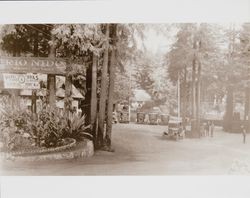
[14, 126]
[20, 130]
[76, 128]
[47, 128]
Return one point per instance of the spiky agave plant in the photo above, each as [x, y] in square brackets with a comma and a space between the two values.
[77, 128]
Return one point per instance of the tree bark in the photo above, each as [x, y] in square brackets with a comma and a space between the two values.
[184, 109]
[111, 88]
[93, 106]
[178, 96]
[103, 94]
[193, 124]
[229, 109]
[51, 80]
[34, 97]
[194, 88]
[198, 99]
[247, 108]
[247, 102]
[87, 101]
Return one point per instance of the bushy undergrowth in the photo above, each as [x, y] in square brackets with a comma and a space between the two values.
[20, 129]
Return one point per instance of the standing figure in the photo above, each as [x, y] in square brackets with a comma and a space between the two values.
[212, 129]
[207, 128]
[244, 133]
[202, 129]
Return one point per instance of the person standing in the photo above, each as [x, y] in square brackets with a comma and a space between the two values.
[212, 129]
[244, 133]
[207, 128]
[202, 130]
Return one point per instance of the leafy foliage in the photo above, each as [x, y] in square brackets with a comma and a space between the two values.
[48, 128]
[14, 126]
[76, 128]
[20, 130]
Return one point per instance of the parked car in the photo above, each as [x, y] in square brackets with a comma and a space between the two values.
[124, 114]
[115, 118]
[175, 130]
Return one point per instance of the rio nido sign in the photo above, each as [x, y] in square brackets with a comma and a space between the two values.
[24, 65]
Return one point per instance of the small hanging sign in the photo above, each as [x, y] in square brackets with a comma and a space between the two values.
[21, 81]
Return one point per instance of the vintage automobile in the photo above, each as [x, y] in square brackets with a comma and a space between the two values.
[124, 114]
[175, 130]
[115, 117]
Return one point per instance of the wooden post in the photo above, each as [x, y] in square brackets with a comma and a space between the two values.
[68, 90]
[33, 102]
[14, 98]
[51, 82]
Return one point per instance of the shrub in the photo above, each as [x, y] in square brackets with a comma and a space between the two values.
[20, 129]
[76, 128]
[14, 127]
[47, 128]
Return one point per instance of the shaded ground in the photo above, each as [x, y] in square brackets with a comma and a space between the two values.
[141, 150]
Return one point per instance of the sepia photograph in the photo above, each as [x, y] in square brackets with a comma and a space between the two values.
[125, 99]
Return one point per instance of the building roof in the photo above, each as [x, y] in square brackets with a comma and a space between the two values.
[141, 95]
[60, 92]
[75, 93]
[28, 92]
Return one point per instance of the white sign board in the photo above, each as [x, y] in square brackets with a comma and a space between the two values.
[21, 81]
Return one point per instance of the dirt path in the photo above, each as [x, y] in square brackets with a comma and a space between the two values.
[141, 150]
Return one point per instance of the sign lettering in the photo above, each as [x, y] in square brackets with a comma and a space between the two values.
[21, 81]
[32, 65]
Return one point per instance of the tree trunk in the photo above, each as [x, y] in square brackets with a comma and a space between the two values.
[247, 103]
[193, 124]
[111, 89]
[198, 99]
[178, 96]
[51, 80]
[103, 94]
[247, 108]
[14, 93]
[87, 101]
[33, 97]
[93, 106]
[229, 110]
[184, 109]
[194, 89]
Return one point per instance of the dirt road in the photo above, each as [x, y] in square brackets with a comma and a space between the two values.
[141, 150]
